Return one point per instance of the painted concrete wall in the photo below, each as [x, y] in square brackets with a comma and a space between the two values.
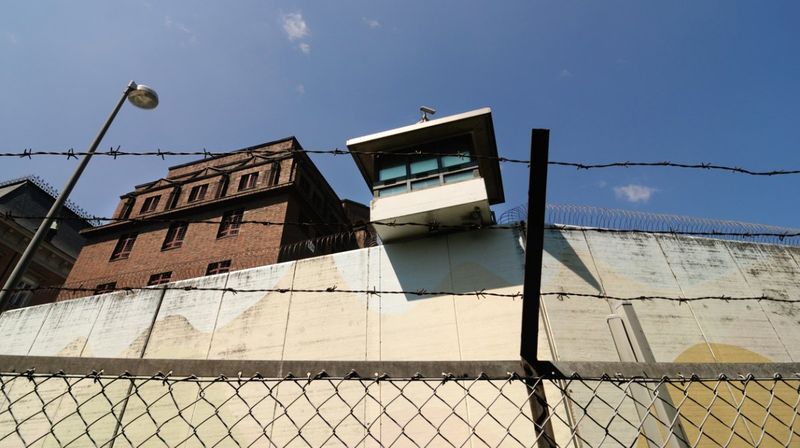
[362, 326]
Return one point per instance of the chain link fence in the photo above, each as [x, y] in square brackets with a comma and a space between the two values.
[353, 410]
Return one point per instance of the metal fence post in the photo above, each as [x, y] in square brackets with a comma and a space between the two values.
[534, 246]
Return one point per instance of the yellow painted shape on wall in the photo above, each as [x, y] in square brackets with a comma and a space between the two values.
[734, 413]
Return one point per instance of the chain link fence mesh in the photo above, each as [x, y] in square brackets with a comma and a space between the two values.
[98, 410]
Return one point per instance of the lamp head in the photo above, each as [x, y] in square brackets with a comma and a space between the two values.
[143, 96]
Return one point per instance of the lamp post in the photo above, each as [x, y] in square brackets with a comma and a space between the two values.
[140, 96]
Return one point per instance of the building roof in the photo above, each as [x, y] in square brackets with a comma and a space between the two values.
[477, 123]
[229, 153]
[8, 186]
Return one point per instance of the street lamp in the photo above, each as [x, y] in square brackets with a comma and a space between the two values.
[140, 96]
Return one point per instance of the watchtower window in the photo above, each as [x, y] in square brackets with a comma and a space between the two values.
[437, 163]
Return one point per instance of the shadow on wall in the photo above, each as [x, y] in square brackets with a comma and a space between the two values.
[460, 262]
[470, 261]
[561, 250]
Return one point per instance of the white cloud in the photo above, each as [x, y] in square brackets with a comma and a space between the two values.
[295, 26]
[169, 23]
[372, 23]
[565, 74]
[634, 193]
[173, 25]
[304, 47]
[301, 89]
[12, 38]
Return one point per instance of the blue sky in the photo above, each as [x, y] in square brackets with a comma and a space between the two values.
[706, 81]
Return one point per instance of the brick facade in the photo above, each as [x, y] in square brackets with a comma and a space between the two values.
[287, 188]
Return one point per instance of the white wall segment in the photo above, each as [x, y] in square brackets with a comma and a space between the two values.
[67, 327]
[567, 266]
[773, 271]
[19, 328]
[633, 265]
[704, 267]
[252, 325]
[374, 303]
[123, 324]
[328, 325]
[186, 319]
[412, 326]
[484, 322]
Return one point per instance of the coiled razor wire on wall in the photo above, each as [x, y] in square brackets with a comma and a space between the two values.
[315, 410]
[49, 189]
[597, 218]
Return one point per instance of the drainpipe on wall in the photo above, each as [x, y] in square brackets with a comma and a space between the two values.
[632, 346]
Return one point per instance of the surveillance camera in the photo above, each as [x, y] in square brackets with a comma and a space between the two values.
[427, 110]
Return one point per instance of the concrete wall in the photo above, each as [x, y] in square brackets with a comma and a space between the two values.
[362, 326]
[303, 325]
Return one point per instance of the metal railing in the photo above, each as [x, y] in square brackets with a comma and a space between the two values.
[71, 402]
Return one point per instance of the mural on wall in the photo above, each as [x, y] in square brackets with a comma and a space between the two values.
[294, 324]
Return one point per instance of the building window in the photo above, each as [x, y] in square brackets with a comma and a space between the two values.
[275, 173]
[22, 294]
[124, 246]
[105, 287]
[248, 181]
[218, 267]
[175, 235]
[150, 204]
[127, 208]
[160, 278]
[231, 221]
[222, 188]
[174, 196]
[198, 193]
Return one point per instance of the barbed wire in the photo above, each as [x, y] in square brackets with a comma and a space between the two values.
[344, 225]
[168, 377]
[419, 293]
[432, 226]
[114, 153]
[699, 166]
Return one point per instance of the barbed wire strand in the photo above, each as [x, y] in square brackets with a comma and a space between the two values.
[380, 376]
[432, 226]
[419, 293]
[114, 153]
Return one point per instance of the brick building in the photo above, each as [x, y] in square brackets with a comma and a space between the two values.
[158, 239]
[23, 203]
